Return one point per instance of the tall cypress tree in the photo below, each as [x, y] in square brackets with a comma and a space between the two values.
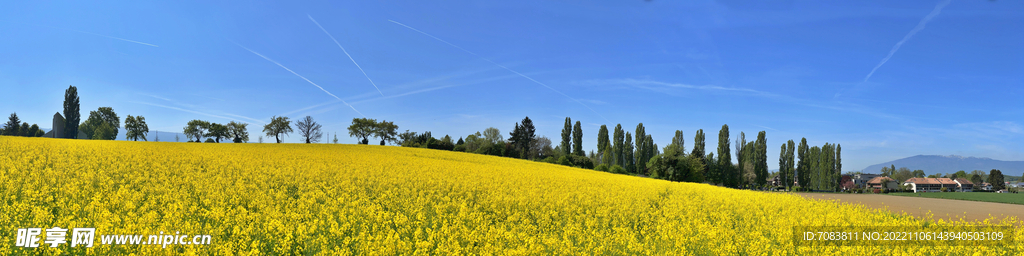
[839, 161]
[782, 165]
[642, 155]
[724, 157]
[790, 161]
[72, 113]
[628, 150]
[602, 140]
[698, 151]
[618, 139]
[650, 150]
[577, 140]
[566, 136]
[761, 158]
[803, 174]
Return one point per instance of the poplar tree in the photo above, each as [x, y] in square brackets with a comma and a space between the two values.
[628, 150]
[602, 141]
[790, 161]
[566, 133]
[642, 154]
[761, 158]
[802, 169]
[617, 147]
[577, 140]
[724, 159]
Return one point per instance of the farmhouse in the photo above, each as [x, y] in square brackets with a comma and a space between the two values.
[862, 179]
[876, 182]
[937, 184]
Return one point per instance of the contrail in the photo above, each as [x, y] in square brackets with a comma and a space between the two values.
[118, 38]
[346, 53]
[920, 26]
[303, 78]
[91, 33]
[504, 67]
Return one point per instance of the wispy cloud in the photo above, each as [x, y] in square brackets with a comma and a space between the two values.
[437, 88]
[920, 26]
[346, 53]
[220, 115]
[647, 83]
[95, 34]
[504, 67]
[303, 78]
[182, 109]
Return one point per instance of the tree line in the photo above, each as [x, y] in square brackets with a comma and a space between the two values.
[102, 124]
[634, 152]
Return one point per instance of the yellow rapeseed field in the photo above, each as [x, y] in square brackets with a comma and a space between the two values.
[291, 199]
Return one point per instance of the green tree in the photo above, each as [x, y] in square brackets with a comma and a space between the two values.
[104, 131]
[96, 119]
[493, 135]
[918, 173]
[744, 170]
[995, 177]
[698, 150]
[217, 131]
[361, 128]
[136, 128]
[386, 132]
[72, 114]
[976, 179]
[602, 142]
[628, 150]
[783, 159]
[960, 175]
[335, 138]
[33, 131]
[310, 130]
[282, 126]
[790, 161]
[678, 143]
[23, 131]
[903, 174]
[724, 157]
[577, 139]
[522, 137]
[839, 159]
[618, 137]
[13, 125]
[240, 134]
[566, 136]
[642, 154]
[803, 170]
[761, 158]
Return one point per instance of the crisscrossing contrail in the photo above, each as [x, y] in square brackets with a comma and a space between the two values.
[504, 67]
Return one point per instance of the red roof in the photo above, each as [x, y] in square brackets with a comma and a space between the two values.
[939, 181]
[878, 180]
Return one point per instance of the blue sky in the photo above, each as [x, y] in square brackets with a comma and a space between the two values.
[945, 77]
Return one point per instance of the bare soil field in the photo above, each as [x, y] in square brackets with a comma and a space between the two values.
[946, 209]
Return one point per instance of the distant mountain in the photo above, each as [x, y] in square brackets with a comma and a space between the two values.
[934, 164]
[152, 136]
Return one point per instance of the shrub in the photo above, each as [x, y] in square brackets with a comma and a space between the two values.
[617, 169]
[564, 161]
[209, 141]
[944, 189]
[601, 167]
[460, 148]
[550, 160]
[878, 191]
